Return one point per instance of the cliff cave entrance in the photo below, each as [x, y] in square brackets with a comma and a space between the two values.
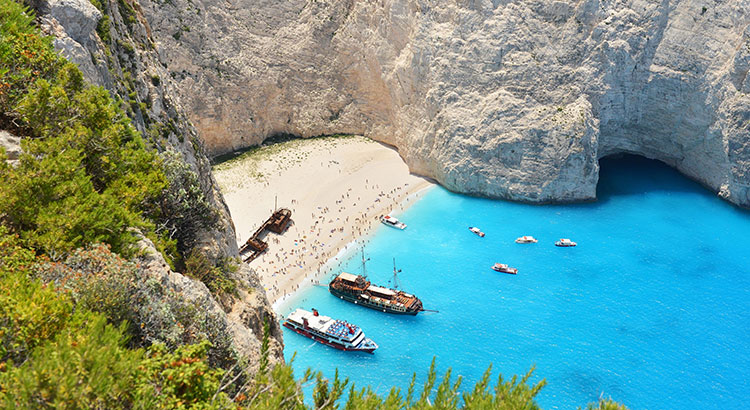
[627, 174]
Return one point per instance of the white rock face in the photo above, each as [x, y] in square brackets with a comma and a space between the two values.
[11, 145]
[78, 17]
[506, 99]
[72, 24]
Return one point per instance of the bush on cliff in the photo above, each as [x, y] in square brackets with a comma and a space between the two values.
[86, 175]
[186, 210]
[99, 280]
[55, 354]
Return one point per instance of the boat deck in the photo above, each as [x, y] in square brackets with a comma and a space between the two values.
[277, 223]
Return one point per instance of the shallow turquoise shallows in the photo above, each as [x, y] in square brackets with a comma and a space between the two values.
[651, 308]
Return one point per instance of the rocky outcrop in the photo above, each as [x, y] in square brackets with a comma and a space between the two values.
[112, 45]
[507, 99]
[11, 146]
[246, 332]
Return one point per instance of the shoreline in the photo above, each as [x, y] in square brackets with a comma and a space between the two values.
[336, 187]
[282, 304]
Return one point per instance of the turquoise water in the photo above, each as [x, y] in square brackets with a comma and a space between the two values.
[652, 308]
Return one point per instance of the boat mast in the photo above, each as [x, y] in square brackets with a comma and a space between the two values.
[364, 268]
[395, 274]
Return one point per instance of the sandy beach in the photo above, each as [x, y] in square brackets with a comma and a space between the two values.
[336, 187]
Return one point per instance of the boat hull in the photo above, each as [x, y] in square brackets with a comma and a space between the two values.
[324, 341]
[368, 304]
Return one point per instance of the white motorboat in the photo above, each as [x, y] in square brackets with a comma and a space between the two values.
[392, 221]
[565, 243]
[501, 267]
[477, 231]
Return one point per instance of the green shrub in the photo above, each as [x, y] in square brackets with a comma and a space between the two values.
[24, 57]
[87, 176]
[606, 404]
[30, 313]
[127, 12]
[98, 280]
[183, 208]
[102, 29]
[84, 366]
[181, 379]
[216, 278]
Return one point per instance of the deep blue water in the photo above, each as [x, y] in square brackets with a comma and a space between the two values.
[652, 308]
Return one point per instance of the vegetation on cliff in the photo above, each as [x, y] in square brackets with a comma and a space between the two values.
[81, 326]
[85, 175]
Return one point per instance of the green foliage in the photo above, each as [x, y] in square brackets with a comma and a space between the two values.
[52, 203]
[606, 404]
[57, 355]
[182, 379]
[276, 390]
[30, 313]
[280, 390]
[102, 29]
[98, 4]
[100, 281]
[127, 12]
[24, 57]
[87, 176]
[84, 366]
[512, 394]
[184, 209]
[265, 343]
[216, 278]
[97, 280]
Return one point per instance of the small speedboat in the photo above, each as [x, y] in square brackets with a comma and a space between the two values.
[565, 243]
[501, 267]
[526, 239]
[477, 231]
[391, 221]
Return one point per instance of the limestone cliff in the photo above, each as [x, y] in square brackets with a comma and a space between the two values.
[112, 44]
[512, 99]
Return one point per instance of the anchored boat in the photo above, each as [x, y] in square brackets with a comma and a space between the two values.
[393, 222]
[477, 231]
[526, 239]
[501, 267]
[358, 290]
[336, 333]
[565, 243]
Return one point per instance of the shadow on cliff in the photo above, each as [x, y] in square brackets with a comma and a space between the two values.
[628, 175]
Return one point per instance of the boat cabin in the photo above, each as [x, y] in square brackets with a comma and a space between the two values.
[352, 280]
[383, 293]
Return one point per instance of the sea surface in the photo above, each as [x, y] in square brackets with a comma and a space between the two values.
[652, 308]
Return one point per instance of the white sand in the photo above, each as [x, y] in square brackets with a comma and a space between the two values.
[337, 188]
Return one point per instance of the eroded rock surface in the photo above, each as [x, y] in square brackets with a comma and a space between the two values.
[506, 99]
